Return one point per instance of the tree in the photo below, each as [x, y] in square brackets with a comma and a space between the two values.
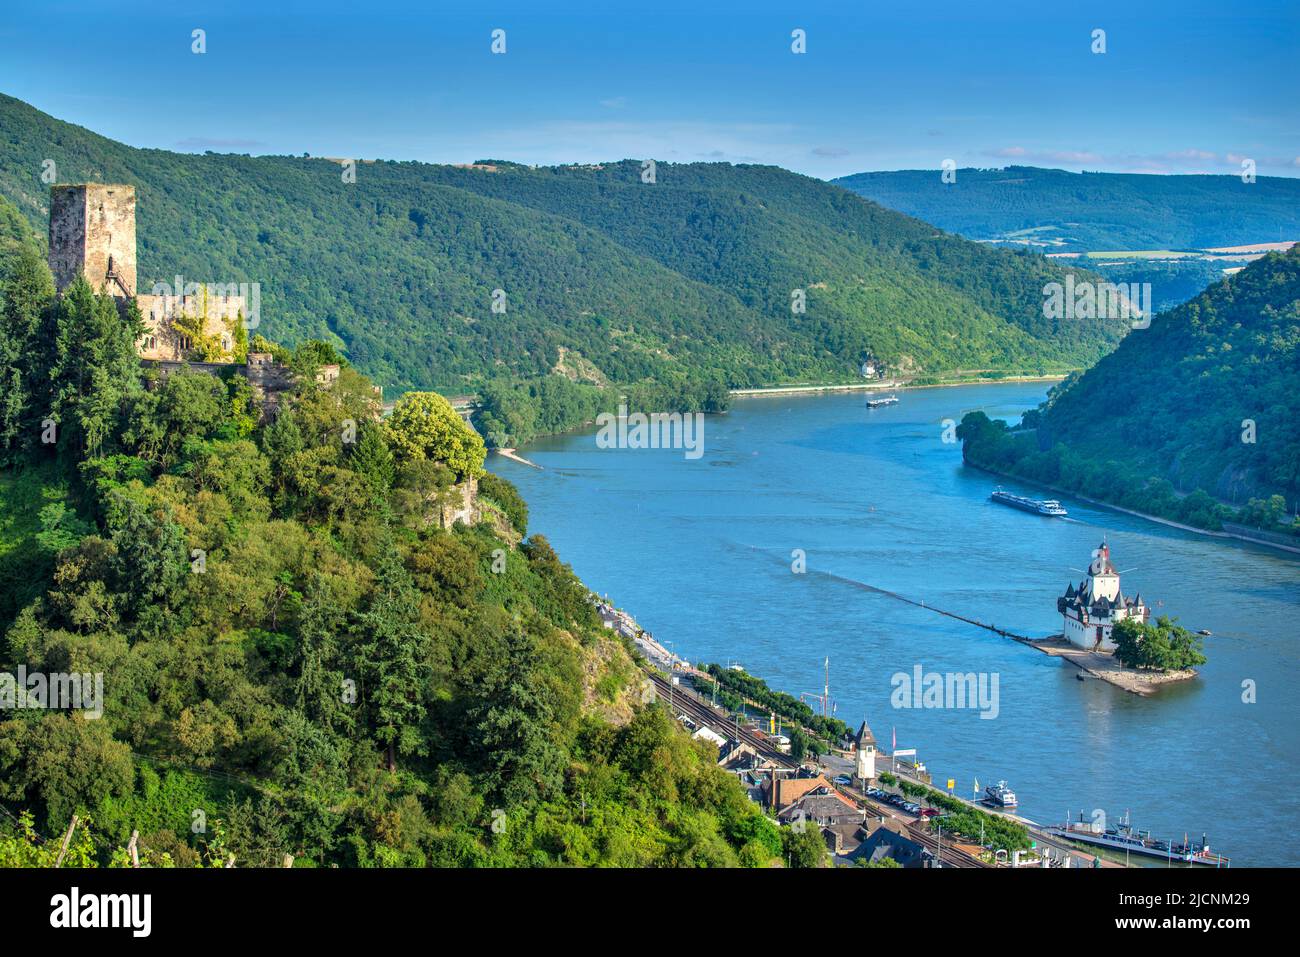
[513, 727]
[66, 763]
[804, 846]
[391, 657]
[94, 367]
[507, 496]
[151, 562]
[423, 425]
[1163, 646]
[372, 459]
[26, 293]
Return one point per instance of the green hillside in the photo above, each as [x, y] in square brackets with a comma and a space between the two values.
[1199, 407]
[1092, 211]
[286, 651]
[678, 284]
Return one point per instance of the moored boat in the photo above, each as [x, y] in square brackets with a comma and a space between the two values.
[1123, 837]
[1000, 794]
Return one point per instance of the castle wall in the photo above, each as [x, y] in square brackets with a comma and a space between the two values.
[92, 230]
[464, 506]
[162, 341]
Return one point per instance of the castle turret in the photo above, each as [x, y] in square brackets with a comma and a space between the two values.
[92, 231]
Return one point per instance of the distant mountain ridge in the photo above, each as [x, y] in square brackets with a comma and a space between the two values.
[689, 278]
[1092, 211]
[1200, 406]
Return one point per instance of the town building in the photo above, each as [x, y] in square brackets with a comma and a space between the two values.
[864, 753]
[1092, 610]
[823, 806]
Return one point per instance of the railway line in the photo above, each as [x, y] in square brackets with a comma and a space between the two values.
[685, 702]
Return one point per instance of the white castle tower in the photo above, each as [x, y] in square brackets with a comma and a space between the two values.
[1091, 611]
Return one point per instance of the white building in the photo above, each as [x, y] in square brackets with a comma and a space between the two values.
[865, 754]
[1097, 605]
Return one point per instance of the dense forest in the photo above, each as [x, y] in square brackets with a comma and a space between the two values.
[1191, 419]
[1093, 211]
[295, 657]
[683, 286]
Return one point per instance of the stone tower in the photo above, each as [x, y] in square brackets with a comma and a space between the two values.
[864, 767]
[92, 230]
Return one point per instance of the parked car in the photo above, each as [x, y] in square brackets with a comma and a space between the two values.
[843, 779]
[930, 812]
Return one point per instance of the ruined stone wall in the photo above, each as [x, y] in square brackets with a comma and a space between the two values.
[162, 341]
[463, 506]
[92, 230]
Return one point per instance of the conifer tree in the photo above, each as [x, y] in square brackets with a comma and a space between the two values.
[27, 292]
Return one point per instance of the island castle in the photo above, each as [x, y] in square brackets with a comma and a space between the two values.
[1091, 611]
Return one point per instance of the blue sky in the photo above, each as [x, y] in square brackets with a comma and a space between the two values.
[1182, 87]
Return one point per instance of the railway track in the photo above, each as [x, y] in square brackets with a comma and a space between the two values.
[918, 831]
[685, 702]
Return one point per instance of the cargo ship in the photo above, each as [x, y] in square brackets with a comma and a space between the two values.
[1050, 506]
[1123, 837]
[882, 401]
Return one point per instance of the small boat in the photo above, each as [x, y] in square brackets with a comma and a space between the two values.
[1048, 506]
[1000, 795]
[882, 401]
[1206, 632]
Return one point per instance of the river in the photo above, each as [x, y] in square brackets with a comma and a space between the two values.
[701, 553]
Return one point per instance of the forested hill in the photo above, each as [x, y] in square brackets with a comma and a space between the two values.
[280, 649]
[1202, 402]
[686, 279]
[1093, 211]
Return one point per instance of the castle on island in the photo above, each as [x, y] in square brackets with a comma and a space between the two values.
[1091, 611]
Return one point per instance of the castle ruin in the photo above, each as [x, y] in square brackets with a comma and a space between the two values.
[92, 231]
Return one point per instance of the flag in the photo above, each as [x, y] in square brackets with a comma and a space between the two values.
[977, 785]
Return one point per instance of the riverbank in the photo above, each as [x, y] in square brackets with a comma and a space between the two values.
[512, 456]
[891, 385]
[1239, 536]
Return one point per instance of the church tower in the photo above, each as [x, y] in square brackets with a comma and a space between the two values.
[92, 230]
